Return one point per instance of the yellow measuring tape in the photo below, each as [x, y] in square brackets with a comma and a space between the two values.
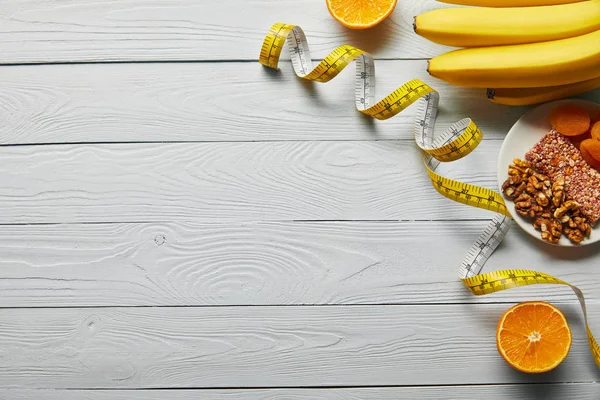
[454, 143]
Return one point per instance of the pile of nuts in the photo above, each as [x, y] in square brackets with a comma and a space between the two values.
[543, 201]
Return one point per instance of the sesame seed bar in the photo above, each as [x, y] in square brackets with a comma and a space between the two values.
[557, 157]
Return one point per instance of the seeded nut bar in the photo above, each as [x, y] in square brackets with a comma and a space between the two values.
[556, 157]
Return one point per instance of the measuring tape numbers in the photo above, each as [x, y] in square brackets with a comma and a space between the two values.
[454, 143]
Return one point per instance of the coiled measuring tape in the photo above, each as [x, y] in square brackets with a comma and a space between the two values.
[456, 142]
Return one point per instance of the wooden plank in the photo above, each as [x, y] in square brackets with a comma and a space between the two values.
[224, 182]
[216, 102]
[232, 347]
[39, 31]
[182, 264]
[579, 391]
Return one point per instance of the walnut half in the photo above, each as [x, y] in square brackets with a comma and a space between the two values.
[576, 228]
[518, 174]
[527, 206]
[551, 229]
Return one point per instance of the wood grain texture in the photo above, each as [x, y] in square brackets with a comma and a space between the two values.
[267, 347]
[224, 182]
[217, 102]
[211, 300]
[39, 31]
[579, 391]
[181, 264]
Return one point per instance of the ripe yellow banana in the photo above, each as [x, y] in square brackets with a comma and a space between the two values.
[527, 96]
[509, 3]
[475, 27]
[553, 63]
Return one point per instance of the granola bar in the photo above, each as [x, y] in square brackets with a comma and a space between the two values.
[556, 157]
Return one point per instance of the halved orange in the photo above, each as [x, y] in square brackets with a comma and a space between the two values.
[360, 14]
[533, 337]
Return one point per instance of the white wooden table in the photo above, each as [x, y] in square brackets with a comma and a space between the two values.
[174, 216]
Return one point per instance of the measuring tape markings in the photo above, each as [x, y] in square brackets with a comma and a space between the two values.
[454, 143]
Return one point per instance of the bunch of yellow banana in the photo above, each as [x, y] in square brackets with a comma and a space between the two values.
[528, 51]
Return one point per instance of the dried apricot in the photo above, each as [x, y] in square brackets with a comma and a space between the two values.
[595, 131]
[576, 140]
[570, 120]
[590, 151]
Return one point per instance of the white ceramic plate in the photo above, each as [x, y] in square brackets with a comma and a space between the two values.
[523, 136]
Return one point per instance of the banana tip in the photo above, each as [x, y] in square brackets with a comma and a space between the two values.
[415, 24]
[491, 93]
